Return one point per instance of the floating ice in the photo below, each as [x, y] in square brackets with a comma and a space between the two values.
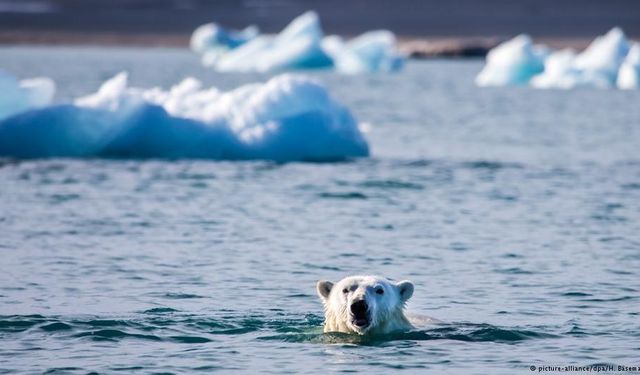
[18, 96]
[298, 46]
[629, 74]
[558, 71]
[213, 36]
[287, 118]
[601, 60]
[213, 41]
[374, 51]
[597, 66]
[513, 62]
[301, 45]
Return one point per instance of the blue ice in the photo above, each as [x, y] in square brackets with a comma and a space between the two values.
[301, 45]
[609, 61]
[288, 118]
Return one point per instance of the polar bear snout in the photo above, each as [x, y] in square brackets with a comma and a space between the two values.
[359, 308]
[360, 313]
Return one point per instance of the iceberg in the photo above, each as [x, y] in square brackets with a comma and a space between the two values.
[373, 51]
[513, 62]
[601, 60]
[629, 74]
[17, 96]
[213, 36]
[301, 45]
[298, 46]
[558, 71]
[288, 118]
[212, 41]
[599, 65]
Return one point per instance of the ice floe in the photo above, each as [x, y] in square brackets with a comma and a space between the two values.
[301, 45]
[629, 74]
[608, 61]
[513, 62]
[287, 118]
[212, 36]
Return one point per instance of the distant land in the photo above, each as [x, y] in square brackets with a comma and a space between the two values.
[425, 27]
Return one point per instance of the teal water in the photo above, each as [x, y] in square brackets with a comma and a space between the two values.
[513, 211]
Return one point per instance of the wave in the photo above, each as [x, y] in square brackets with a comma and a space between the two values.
[467, 332]
[168, 325]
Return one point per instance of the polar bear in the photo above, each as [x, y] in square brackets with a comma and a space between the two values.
[368, 305]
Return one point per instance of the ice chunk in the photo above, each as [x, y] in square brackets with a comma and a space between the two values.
[596, 66]
[298, 46]
[214, 37]
[629, 74]
[306, 25]
[374, 51]
[302, 45]
[513, 62]
[601, 60]
[241, 59]
[111, 95]
[287, 118]
[560, 72]
[18, 96]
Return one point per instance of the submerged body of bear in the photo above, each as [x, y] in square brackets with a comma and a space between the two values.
[365, 305]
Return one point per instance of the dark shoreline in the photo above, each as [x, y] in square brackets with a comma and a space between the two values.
[412, 47]
[425, 28]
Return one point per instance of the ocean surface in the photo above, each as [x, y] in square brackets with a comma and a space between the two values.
[515, 213]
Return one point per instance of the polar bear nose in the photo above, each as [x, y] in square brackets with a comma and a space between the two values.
[359, 308]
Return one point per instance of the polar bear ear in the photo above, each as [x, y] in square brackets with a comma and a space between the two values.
[324, 288]
[405, 289]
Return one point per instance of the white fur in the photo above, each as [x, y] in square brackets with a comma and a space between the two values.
[386, 311]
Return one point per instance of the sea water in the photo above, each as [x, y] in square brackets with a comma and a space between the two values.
[515, 213]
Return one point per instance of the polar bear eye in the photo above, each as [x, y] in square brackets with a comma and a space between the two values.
[380, 291]
[345, 290]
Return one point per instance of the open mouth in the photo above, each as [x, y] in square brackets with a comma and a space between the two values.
[360, 314]
[361, 322]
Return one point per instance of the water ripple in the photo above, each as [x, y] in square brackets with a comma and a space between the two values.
[196, 329]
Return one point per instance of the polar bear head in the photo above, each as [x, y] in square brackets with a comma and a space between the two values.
[365, 305]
